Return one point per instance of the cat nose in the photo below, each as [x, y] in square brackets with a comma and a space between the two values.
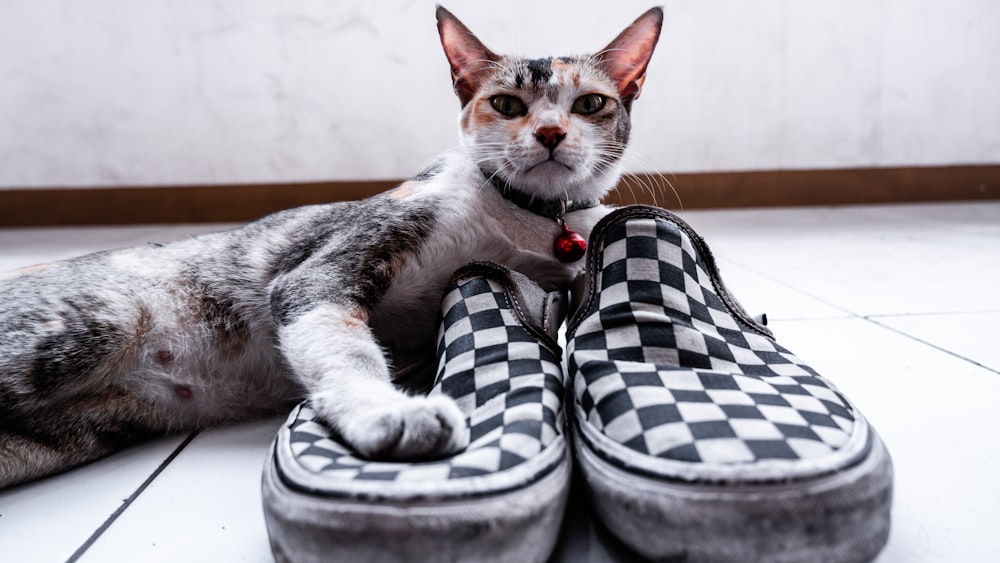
[550, 136]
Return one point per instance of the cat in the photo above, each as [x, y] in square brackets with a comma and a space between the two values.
[334, 302]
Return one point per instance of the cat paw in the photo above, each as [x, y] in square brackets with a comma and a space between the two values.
[420, 427]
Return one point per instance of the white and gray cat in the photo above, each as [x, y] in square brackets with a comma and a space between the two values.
[336, 302]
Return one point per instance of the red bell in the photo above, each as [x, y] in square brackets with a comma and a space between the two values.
[569, 246]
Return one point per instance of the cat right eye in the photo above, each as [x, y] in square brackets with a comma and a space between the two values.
[510, 106]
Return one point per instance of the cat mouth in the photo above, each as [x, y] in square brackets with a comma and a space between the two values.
[548, 163]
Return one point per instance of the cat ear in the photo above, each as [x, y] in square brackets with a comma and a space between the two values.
[625, 59]
[469, 58]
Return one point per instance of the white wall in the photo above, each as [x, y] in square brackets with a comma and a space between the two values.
[133, 92]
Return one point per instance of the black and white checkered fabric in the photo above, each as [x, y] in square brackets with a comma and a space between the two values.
[509, 384]
[665, 363]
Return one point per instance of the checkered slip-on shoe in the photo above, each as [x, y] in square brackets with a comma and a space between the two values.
[699, 437]
[501, 499]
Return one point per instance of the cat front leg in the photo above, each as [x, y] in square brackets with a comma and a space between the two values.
[543, 269]
[333, 353]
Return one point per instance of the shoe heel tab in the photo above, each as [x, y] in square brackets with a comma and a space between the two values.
[542, 312]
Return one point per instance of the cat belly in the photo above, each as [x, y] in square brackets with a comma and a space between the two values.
[202, 370]
[95, 357]
[106, 329]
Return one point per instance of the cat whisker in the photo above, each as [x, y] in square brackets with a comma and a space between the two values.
[652, 182]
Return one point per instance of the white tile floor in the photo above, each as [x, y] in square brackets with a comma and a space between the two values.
[898, 305]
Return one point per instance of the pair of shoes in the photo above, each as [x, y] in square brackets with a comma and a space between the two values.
[697, 436]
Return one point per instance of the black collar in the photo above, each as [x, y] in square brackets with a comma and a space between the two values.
[551, 208]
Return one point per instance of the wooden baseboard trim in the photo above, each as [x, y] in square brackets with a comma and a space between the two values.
[844, 186]
[237, 203]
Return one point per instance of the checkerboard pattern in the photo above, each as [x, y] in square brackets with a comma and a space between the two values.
[666, 363]
[508, 383]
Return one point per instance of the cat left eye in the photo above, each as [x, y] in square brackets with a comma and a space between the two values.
[589, 104]
[511, 106]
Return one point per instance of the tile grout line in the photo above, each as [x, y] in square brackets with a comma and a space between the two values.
[931, 344]
[128, 502]
[934, 314]
[783, 283]
[871, 318]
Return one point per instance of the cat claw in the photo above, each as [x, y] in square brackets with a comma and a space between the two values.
[420, 427]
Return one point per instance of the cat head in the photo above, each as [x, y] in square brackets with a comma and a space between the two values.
[555, 128]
